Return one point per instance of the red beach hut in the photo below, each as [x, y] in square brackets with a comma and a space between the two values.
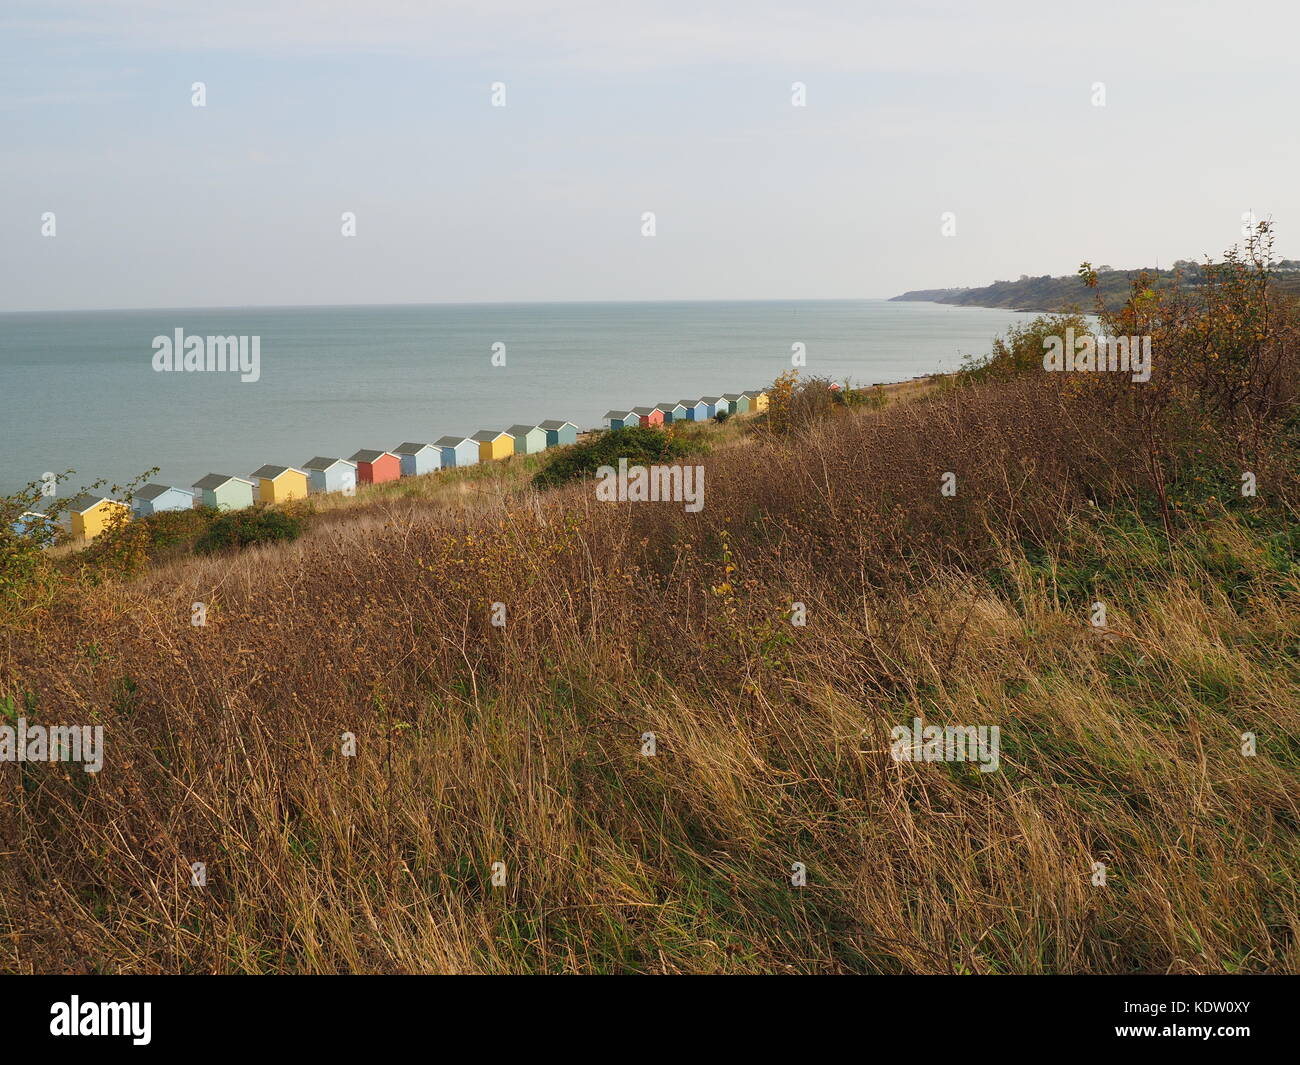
[376, 467]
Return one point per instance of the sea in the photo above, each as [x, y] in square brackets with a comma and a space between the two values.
[81, 390]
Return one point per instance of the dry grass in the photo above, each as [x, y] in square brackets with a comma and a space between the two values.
[522, 744]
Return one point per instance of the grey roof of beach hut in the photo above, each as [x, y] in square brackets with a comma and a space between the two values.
[213, 481]
[271, 472]
[321, 464]
[87, 501]
[451, 441]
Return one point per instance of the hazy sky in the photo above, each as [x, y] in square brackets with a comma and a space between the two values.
[383, 108]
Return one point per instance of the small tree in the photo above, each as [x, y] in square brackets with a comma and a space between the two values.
[34, 519]
[1021, 350]
[779, 399]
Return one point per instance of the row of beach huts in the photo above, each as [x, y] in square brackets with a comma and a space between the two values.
[91, 514]
[689, 410]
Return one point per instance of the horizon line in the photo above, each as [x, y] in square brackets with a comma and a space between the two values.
[444, 303]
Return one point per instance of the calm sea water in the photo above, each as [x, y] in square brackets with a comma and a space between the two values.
[80, 391]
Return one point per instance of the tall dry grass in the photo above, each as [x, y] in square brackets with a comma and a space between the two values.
[522, 744]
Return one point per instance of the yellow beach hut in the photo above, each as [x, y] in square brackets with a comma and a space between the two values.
[757, 400]
[280, 484]
[92, 514]
[494, 444]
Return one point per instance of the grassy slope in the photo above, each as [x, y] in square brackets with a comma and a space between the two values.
[478, 744]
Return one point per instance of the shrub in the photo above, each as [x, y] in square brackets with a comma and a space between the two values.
[864, 398]
[237, 529]
[178, 528]
[31, 521]
[23, 539]
[637, 444]
[810, 401]
[21, 564]
[779, 398]
[1021, 350]
[794, 404]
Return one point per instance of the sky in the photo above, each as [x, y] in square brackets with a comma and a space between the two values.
[684, 109]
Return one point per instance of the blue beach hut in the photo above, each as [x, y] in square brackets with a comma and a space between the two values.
[157, 498]
[331, 475]
[621, 419]
[457, 451]
[696, 410]
[559, 433]
[34, 524]
[419, 458]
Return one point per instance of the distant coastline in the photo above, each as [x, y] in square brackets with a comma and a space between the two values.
[1048, 294]
[1033, 294]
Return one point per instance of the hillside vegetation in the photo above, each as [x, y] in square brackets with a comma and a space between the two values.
[1072, 293]
[525, 744]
